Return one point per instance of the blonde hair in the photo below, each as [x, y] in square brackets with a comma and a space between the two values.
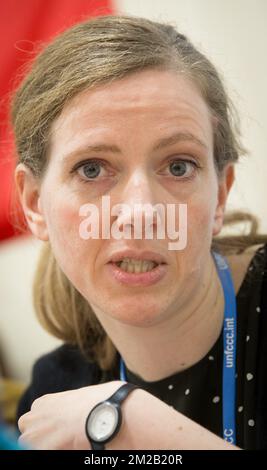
[92, 53]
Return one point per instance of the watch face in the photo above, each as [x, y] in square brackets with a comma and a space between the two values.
[102, 422]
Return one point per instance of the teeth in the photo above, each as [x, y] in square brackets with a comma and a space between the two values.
[136, 266]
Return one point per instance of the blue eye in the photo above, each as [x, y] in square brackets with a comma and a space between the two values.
[180, 168]
[90, 170]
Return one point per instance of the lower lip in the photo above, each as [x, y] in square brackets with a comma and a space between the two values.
[138, 279]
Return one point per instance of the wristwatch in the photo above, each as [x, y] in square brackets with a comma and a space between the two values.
[105, 419]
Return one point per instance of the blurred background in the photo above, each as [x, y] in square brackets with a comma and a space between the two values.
[232, 33]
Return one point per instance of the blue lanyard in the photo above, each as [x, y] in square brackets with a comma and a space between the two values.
[229, 350]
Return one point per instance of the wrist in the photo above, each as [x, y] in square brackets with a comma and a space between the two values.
[128, 436]
[104, 420]
[89, 400]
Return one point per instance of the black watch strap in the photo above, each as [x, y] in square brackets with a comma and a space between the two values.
[97, 445]
[117, 398]
[122, 393]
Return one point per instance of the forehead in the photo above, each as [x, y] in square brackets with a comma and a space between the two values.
[154, 100]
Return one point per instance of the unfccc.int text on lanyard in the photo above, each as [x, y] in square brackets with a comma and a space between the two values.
[229, 350]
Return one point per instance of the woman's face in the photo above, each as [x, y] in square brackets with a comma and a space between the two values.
[133, 130]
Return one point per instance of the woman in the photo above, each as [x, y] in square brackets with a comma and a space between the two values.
[128, 109]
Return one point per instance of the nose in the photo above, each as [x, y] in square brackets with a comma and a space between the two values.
[138, 214]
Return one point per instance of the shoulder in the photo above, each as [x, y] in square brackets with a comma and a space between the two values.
[64, 359]
[64, 368]
[247, 264]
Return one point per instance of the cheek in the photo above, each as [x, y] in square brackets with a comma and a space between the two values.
[201, 212]
[70, 250]
[63, 226]
[200, 216]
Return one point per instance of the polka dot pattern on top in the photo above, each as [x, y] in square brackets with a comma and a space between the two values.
[197, 391]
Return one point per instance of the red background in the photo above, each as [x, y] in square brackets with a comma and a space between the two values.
[22, 25]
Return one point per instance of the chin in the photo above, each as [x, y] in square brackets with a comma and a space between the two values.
[139, 314]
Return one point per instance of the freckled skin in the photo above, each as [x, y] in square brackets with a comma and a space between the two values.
[133, 114]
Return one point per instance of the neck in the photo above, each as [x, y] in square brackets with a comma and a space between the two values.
[185, 337]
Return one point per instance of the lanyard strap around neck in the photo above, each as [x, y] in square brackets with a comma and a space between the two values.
[229, 350]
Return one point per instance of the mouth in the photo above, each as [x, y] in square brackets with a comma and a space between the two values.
[130, 265]
[137, 272]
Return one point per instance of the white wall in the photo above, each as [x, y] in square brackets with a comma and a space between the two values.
[233, 33]
[22, 339]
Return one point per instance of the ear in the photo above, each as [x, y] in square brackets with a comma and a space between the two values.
[28, 187]
[224, 186]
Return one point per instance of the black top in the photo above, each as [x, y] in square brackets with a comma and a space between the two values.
[197, 391]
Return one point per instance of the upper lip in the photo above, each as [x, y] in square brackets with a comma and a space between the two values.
[138, 255]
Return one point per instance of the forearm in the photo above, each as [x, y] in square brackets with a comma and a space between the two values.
[151, 424]
[57, 421]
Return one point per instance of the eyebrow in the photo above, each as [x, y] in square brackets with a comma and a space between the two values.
[160, 144]
[179, 137]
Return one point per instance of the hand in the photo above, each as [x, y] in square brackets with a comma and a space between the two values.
[57, 420]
